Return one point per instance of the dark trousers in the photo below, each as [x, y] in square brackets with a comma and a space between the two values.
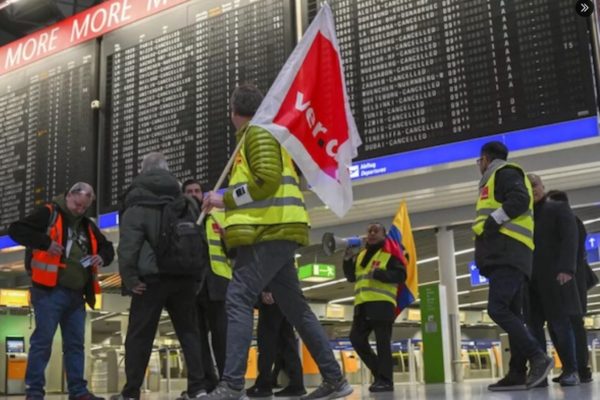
[505, 307]
[256, 266]
[275, 335]
[559, 326]
[178, 296]
[581, 345]
[212, 318]
[380, 364]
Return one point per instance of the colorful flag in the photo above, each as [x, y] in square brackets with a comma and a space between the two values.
[308, 112]
[401, 238]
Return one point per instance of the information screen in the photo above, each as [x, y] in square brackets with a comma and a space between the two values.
[47, 139]
[426, 72]
[168, 82]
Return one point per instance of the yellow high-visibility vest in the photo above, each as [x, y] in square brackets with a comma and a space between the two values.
[285, 206]
[219, 263]
[367, 289]
[520, 228]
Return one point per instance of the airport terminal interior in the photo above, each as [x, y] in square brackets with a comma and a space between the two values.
[88, 87]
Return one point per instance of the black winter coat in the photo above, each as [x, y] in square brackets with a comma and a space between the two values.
[556, 244]
[494, 249]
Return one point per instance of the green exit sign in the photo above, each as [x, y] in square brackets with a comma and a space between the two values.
[316, 272]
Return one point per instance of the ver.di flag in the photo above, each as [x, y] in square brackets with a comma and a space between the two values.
[307, 111]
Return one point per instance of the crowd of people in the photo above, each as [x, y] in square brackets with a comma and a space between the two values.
[210, 276]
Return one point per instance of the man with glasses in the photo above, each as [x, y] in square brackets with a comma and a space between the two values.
[503, 230]
[65, 249]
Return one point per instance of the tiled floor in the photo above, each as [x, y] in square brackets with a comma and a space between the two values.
[464, 391]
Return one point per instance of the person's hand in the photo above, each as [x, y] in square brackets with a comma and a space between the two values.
[349, 253]
[212, 200]
[563, 278]
[490, 225]
[55, 249]
[96, 260]
[139, 289]
[267, 298]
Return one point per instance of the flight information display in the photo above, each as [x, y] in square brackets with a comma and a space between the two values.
[168, 82]
[47, 139]
[422, 73]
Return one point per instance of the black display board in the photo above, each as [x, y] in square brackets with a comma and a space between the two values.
[426, 72]
[47, 137]
[168, 80]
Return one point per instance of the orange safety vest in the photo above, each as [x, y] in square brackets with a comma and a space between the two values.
[44, 266]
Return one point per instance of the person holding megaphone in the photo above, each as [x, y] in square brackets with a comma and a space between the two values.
[376, 275]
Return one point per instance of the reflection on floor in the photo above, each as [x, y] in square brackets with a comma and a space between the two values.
[464, 391]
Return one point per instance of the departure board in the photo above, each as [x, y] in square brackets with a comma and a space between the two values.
[169, 80]
[47, 139]
[421, 73]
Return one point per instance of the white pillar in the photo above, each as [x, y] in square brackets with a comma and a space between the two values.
[447, 273]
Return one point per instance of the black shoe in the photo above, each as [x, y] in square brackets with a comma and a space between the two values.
[585, 376]
[121, 397]
[87, 396]
[381, 386]
[256, 391]
[290, 391]
[542, 384]
[330, 390]
[540, 367]
[570, 379]
[557, 379]
[512, 381]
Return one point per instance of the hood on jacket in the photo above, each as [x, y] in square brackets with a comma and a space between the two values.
[154, 187]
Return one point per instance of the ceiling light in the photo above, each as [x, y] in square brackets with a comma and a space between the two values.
[341, 300]
[321, 285]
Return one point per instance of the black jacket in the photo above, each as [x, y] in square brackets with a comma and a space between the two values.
[31, 233]
[586, 277]
[394, 272]
[556, 244]
[494, 249]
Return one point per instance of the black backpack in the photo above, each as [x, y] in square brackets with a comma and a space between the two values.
[181, 248]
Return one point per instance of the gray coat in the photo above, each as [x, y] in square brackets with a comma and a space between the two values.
[556, 244]
[140, 224]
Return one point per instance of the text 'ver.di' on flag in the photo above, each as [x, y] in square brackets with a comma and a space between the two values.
[308, 112]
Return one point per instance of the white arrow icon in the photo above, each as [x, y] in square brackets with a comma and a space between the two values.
[584, 7]
[592, 242]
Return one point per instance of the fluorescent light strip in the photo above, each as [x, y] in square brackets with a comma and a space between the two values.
[477, 303]
[436, 258]
[591, 221]
[341, 300]
[324, 284]
[594, 304]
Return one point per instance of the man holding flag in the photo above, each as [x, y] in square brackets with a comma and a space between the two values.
[377, 270]
[305, 116]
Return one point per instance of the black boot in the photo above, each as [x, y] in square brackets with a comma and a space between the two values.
[512, 381]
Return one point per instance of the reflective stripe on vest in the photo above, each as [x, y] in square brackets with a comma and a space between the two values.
[520, 228]
[219, 263]
[285, 206]
[367, 289]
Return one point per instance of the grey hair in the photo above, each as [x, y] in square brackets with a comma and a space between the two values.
[153, 161]
[84, 189]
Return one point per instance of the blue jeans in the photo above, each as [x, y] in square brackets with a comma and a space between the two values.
[270, 263]
[53, 307]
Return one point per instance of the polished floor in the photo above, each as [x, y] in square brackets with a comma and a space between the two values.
[464, 391]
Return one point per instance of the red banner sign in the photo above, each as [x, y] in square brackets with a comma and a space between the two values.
[86, 25]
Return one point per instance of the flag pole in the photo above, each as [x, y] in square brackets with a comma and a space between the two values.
[224, 173]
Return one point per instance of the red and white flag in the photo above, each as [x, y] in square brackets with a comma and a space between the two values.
[307, 111]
